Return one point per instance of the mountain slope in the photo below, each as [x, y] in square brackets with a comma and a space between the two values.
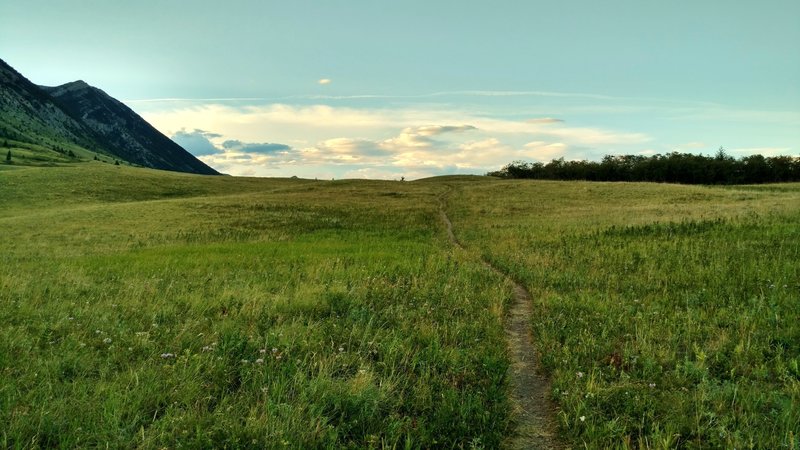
[75, 121]
[123, 131]
[27, 114]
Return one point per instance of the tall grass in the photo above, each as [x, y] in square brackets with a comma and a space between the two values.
[667, 316]
[147, 309]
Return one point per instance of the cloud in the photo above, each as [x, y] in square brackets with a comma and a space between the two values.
[196, 142]
[339, 151]
[245, 147]
[544, 120]
[587, 136]
[284, 140]
[434, 130]
[546, 151]
[349, 146]
[420, 136]
[763, 151]
[324, 81]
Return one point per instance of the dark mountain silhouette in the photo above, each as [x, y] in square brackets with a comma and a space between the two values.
[77, 114]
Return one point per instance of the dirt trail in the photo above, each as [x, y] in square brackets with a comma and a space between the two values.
[534, 414]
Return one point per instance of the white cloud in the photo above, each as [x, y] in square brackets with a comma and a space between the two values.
[197, 142]
[546, 151]
[324, 81]
[435, 130]
[282, 139]
[544, 120]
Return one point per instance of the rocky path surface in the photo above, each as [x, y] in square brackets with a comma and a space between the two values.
[534, 414]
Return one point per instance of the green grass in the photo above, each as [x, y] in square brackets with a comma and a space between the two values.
[149, 309]
[667, 316]
[44, 153]
[141, 308]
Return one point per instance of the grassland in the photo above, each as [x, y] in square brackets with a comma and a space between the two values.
[667, 316]
[141, 308]
[148, 309]
[45, 153]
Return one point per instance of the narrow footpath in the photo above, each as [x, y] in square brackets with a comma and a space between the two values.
[534, 414]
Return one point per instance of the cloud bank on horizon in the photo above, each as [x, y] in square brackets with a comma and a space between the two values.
[359, 137]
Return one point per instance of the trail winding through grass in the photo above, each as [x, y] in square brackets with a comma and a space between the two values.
[533, 411]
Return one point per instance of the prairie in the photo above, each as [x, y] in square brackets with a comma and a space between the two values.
[150, 309]
[665, 315]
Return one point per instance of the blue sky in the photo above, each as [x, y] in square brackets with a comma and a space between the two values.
[418, 88]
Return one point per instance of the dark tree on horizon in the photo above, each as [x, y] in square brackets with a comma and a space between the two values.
[675, 167]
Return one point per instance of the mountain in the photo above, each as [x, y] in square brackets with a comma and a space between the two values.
[79, 120]
[28, 114]
[124, 131]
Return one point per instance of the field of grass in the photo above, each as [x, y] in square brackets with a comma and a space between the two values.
[149, 309]
[45, 154]
[146, 309]
[667, 316]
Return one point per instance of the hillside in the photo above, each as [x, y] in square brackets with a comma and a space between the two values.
[75, 122]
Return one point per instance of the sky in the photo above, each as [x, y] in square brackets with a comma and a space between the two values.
[390, 89]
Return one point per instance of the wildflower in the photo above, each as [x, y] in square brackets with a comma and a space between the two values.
[262, 351]
[70, 318]
[579, 374]
[207, 348]
[583, 418]
[652, 385]
[341, 349]
[260, 361]
[274, 350]
[98, 332]
[107, 341]
[167, 355]
[245, 361]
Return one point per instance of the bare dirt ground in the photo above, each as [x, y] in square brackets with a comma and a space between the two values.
[534, 414]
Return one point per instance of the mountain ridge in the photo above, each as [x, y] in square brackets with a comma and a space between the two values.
[80, 117]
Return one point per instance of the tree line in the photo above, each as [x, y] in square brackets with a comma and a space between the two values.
[675, 167]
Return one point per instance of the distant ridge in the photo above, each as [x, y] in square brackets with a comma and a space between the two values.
[77, 114]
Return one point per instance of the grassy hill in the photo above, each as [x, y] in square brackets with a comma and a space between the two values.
[142, 308]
